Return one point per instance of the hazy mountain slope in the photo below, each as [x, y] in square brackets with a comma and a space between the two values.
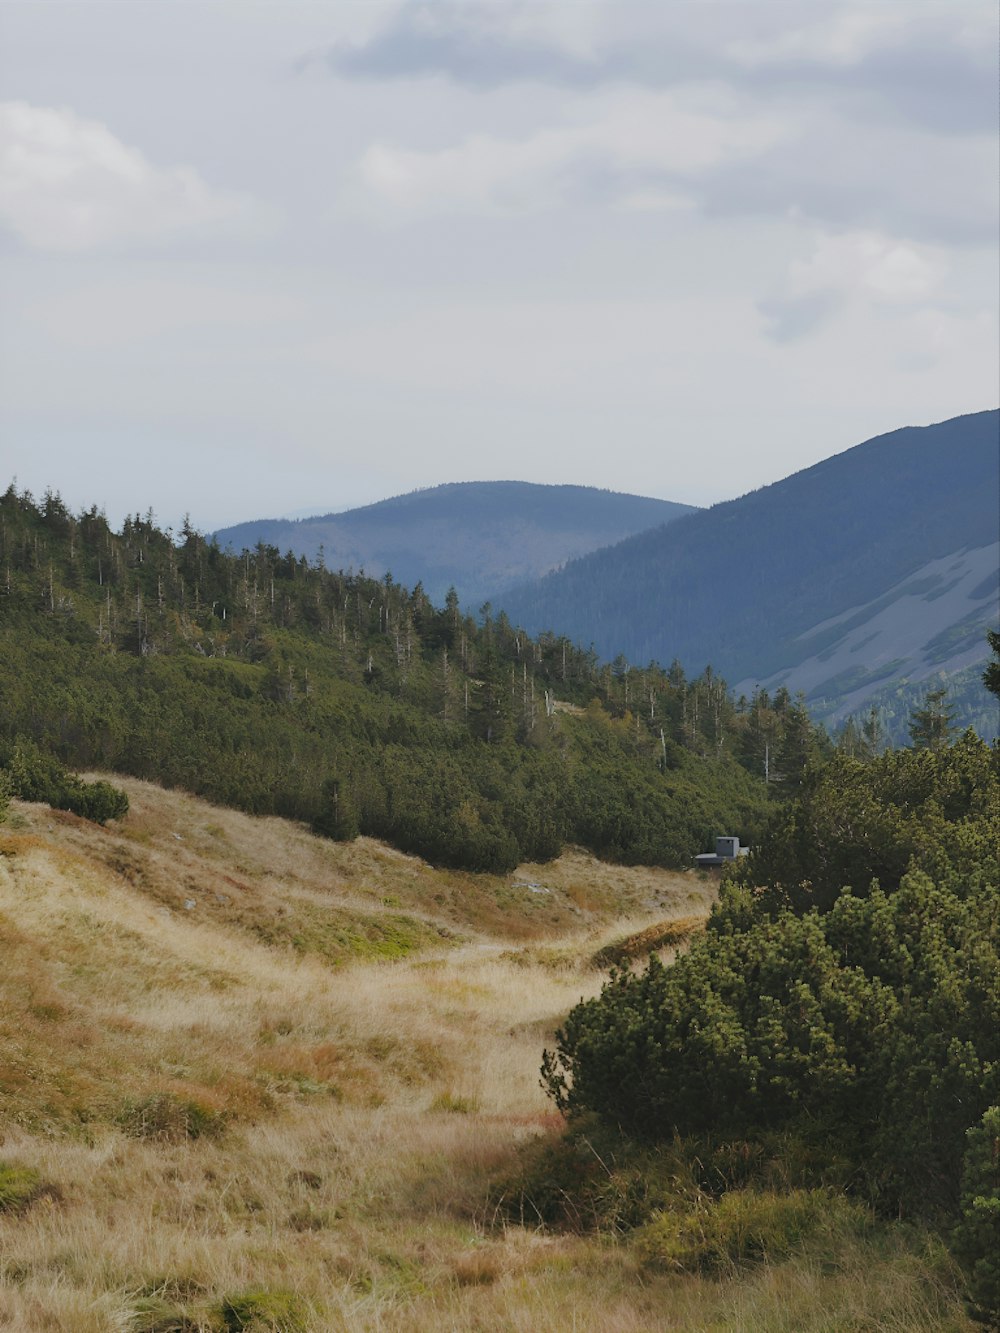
[480, 537]
[877, 564]
[932, 621]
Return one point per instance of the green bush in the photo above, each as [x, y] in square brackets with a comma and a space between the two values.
[865, 1021]
[593, 1179]
[874, 1030]
[96, 801]
[33, 775]
[977, 1236]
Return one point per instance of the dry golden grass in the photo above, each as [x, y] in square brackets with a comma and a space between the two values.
[244, 1059]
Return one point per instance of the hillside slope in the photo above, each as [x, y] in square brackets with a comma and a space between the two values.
[478, 536]
[253, 1079]
[874, 566]
[277, 687]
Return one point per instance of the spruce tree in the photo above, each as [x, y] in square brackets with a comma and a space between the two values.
[930, 726]
[991, 676]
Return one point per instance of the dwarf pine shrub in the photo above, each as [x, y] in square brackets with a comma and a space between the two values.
[977, 1236]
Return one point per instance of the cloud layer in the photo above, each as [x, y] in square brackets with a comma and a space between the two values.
[680, 248]
[931, 64]
[633, 151]
[68, 184]
[853, 115]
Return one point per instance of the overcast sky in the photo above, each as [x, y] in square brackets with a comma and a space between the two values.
[258, 258]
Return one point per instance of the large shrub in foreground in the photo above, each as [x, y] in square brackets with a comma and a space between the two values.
[875, 1027]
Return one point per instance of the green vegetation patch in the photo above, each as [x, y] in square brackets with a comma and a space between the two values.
[264, 1311]
[454, 1103]
[31, 774]
[752, 1226]
[20, 1186]
[977, 1236]
[845, 682]
[338, 935]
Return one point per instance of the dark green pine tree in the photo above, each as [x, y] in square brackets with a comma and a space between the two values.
[873, 734]
[849, 741]
[991, 676]
[797, 747]
[930, 726]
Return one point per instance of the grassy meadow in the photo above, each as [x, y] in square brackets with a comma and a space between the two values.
[252, 1079]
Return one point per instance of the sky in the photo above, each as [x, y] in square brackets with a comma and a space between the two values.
[269, 258]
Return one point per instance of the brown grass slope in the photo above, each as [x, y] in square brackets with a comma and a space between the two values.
[253, 1079]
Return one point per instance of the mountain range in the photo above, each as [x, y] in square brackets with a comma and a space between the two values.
[478, 537]
[874, 569]
[863, 580]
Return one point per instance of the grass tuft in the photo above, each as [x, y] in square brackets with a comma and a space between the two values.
[152, 1314]
[661, 935]
[263, 1310]
[751, 1226]
[166, 1117]
[453, 1104]
[21, 1186]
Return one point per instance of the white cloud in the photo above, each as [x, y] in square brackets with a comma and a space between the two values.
[862, 270]
[867, 263]
[838, 39]
[846, 35]
[930, 64]
[68, 184]
[625, 156]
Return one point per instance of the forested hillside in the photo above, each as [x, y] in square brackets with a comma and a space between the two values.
[876, 567]
[481, 537]
[278, 687]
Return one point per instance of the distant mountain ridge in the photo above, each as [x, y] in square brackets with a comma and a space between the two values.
[480, 537]
[874, 567]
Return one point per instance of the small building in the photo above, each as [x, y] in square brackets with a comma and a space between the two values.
[726, 849]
